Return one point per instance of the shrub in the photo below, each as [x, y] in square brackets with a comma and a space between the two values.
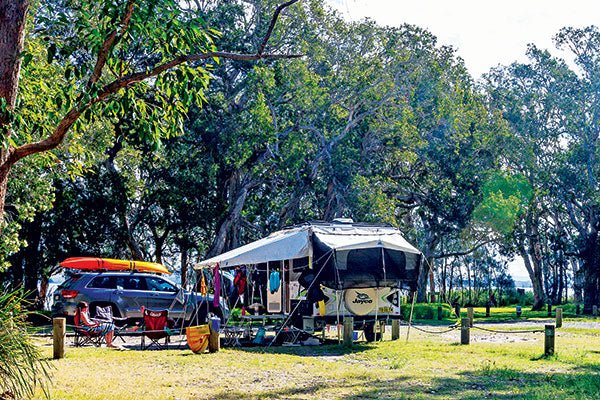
[426, 311]
[21, 366]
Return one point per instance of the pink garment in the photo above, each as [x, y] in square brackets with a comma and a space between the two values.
[217, 280]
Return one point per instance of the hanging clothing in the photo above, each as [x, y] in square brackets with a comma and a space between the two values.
[217, 285]
[203, 287]
[240, 280]
[274, 281]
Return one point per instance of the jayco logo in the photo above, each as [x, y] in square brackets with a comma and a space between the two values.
[362, 298]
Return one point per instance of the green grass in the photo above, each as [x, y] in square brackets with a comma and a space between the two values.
[428, 366]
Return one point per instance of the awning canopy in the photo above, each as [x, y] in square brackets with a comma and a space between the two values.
[281, 245]
[344, 255]
[296, 243]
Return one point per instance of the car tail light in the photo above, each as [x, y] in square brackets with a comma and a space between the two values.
[69, 294]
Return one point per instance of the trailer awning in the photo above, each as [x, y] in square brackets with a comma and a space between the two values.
[281, 245]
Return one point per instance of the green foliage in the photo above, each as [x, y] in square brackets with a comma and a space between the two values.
[159, 31]
[22, 368]
[505, 198]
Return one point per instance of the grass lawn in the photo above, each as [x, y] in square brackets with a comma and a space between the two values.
[499, 366]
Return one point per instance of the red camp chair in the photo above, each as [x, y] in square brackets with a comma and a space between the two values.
[156, 327]
[82, 336]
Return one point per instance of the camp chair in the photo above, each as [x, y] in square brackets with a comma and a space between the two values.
[83, 337]
[105, 314]
[156, 327]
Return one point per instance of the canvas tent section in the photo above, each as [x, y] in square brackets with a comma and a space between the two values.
[343, 255]
[364, 257]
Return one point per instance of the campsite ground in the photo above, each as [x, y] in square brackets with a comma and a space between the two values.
[494, 365]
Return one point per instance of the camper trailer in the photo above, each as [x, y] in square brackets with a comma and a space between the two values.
[318, 272]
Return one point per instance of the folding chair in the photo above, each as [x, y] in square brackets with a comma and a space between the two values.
[156, 327]
[105, 314]
[82, 336]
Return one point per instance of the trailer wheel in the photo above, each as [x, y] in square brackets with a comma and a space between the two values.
[370, 335]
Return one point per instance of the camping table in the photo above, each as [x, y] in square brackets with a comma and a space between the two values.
[233, 334]
[245, 330]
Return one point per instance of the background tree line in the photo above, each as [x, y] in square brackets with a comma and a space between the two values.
[379, 124]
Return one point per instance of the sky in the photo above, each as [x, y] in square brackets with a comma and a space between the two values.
[484, 33]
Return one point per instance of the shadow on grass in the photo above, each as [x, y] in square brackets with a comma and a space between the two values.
[489, 382]
[311, 351]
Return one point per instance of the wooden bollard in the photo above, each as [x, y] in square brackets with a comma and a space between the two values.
[595, 311]
[549, 310]
[470, 316]
[59, 326]
[214, 343]
[439, 313]
[348, 331]
[487, 310]
[465, 334]
[559, 317]
[457, 310]
[549, 340]
[395, 329]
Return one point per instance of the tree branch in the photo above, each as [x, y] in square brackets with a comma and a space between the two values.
[464, 252]
[109, 43]
[61, 130]
[278, 10]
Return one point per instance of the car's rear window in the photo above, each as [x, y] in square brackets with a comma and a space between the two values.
[103, 282]
[68, 282]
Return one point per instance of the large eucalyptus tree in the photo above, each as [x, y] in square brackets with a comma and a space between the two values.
[554, 113]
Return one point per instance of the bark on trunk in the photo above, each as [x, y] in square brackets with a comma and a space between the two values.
[239, 187]
[430, 248]
[424, 277]
[591, 274]
[578, 281]
[535, 275]
[12, 36]
[184, 265]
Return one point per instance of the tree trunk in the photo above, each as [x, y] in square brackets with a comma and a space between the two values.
[184, 265]
[424, 278]
[531, 251]
[12, 36]
[239, 189]
[535, 275]
[432, 242]
[591, 273]
[578, 280]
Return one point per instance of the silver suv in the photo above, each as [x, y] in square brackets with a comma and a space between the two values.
[127, 292]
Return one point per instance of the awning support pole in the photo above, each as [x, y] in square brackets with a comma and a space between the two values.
[412, 307]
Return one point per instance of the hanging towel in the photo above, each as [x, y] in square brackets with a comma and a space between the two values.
[274, 281]
[217, 280]
[203, 287]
